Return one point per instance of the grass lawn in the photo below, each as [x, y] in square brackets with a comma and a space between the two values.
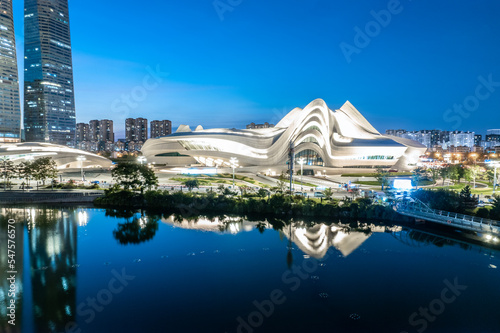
[374, 174]
[219, 179]
[368, 182]
[459, 187]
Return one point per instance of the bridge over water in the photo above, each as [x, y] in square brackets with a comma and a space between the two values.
[419, 210]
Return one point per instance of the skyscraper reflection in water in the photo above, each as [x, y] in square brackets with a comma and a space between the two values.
[53, 249]
[5, 215]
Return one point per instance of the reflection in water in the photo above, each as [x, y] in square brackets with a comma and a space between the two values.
[5, 215]
[139, 230]
[421, 238]
[313, 239]
[52, 242]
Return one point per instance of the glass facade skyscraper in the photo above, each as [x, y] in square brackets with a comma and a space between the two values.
[10, 110]
[49, 100]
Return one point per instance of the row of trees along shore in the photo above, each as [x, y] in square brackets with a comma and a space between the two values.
[136, 188]
[39, 170]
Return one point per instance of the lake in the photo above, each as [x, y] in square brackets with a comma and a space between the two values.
[88, 270]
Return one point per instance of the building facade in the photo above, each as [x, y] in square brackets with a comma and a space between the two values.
[324, 138]
[160, 128]
[10, 109]
[82, 132]
[101, 130]
[49, 100]
[136, 130]
[462, 139]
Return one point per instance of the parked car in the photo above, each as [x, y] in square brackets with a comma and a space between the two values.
[319, 195]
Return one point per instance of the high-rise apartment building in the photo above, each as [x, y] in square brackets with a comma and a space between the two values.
[462, 139]
[136, 129]
[82, 132]
[49, 100]
[10, 110]
[493, 132]
[101, 130]
[160, 128]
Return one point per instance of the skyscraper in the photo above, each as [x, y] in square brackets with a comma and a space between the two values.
[10, 110]
[49, 100]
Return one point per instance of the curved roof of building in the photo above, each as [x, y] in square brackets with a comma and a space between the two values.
[335, 136]
[62, 155]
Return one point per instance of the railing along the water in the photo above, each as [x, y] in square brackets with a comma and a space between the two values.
[420, 210]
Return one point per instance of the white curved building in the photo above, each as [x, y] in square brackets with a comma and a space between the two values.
[65, 158]
[324, 138]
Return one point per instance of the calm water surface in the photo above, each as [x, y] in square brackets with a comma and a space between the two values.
[81, 270]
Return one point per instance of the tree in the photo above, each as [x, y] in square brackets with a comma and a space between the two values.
[417, 175]
[221, 188]
[134, 176]
[474, 171]
[444, 173]
[434, 174]
[24, 171]
[382, 177]
[461, 172]
[262, 193]
[7, 171]
[43, 168]
[282, 182]
[495, 211]
[468, 202]
[453, 172]
[490, 175]
[328, 193]
[191, 184]
[468, 175]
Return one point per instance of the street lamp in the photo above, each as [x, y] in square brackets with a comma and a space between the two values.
[301, 162]
[142, 159]
[81, 158]
[234, 164]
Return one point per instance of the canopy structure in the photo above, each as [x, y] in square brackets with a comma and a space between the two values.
[64, 157]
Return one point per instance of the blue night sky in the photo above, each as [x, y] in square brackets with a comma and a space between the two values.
[264, 58]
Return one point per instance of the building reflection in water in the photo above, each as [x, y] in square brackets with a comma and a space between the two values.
[313, 239]
[53, 258]
[5, 215]
[52, 243]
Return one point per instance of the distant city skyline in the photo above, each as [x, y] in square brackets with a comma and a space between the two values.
[245, 65]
